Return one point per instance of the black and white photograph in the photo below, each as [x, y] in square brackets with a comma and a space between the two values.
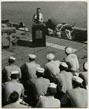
[44, 54]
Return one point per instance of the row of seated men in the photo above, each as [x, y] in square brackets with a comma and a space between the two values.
[58, 84]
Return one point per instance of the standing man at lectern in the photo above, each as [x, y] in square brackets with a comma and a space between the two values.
[38, 16]
[38, 29]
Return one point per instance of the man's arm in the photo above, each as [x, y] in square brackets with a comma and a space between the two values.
[42, 19]
[33, 19]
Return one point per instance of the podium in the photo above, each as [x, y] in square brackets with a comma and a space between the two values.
[38, 35]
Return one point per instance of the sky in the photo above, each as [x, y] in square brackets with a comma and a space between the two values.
[69, 12]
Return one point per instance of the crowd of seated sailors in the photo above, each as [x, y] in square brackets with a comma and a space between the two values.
[58, 84]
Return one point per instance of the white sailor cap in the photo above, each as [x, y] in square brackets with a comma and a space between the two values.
[64, 64]
[32, 56]
[85, 66]
[52, 85]
[77, 79]
[40, 69]
[15, 72]
[12, 58]
[68, 50]
[50, 56]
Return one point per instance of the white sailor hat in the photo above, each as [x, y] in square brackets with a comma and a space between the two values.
[14, 72]
[40, 69]
[85, 66]
[32, 56]
[64, 64]
[52, 85]
[12, 58]
[77, 79]
[68, 50]
[50, 56]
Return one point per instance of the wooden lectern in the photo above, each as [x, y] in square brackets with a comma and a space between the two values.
[38, 34]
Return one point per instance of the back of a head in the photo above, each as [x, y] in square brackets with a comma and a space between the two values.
[32, 57]
[68, 50]
[14, 96]
[77, 81]
[50, 56]
[52, 89]
[14, 74]
[63, 66]
[11, 60]
[40, 72]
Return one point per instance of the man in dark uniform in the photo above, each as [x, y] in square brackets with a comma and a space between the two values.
[72, 60]
[64, 80]
[6, 72]
[76, 97]
[51, 67]
[29, 69]
[13, 85]
[37, 87]
[49, 101]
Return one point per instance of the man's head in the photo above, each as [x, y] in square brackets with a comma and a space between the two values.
[40, 72]
[14, 96]
[63, 66]
[38, 10]
[32, 57]
[52, 89]
[11, 60]
[85, 66]
[50, 56]
[68, 50]
[14, 74]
